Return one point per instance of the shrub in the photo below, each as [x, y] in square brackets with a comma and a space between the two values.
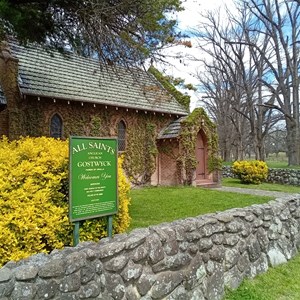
[254, 171]
[34, 199]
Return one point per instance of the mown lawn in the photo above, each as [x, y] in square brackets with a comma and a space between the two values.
[272, 163]
[264, 186]
[154, 205]
[279, 283]
[281, 165]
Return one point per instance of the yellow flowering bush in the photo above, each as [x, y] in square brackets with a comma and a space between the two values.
[254, 171]
[95, 229]
[34, 199]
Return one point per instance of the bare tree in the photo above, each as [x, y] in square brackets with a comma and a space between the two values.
[232, 79]
[275, 141]
[280, 22]
[220, 104]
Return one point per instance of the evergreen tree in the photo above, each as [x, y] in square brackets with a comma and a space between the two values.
[117, 31]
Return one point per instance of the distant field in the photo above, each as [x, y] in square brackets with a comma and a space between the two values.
[279, 161]
[281, 157]
[233, 182]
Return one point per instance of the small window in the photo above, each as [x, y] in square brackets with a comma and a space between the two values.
[121, 136]
[56, 126]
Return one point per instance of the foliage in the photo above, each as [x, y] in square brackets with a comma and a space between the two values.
[134, 163]
[139, 161]
[214, 163]
[281, 282]
[30, 197]
[141, 151]
[178, 81]
[184, 100]
[34, 199]
[155, 205]
[276, 187]
[254, 171]
[125, 31]
[151, 151]
[95, 229]
[196, 121]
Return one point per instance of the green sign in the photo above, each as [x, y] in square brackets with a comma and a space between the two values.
[93, 177]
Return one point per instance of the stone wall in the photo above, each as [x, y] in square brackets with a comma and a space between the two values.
[282, 176]
[195, 258]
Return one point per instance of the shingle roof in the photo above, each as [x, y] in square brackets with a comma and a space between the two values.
[172, 130]
[78, 78]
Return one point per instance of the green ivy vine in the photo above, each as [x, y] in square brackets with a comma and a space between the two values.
[141, 152]
[186, 162]
[150, 151]
[184, 100]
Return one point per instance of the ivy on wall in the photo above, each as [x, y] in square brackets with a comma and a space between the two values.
[150, 151]
[95, 125]
[32, 120]
[184, 100]
[141, 150]
[197, 120]
[186, 162]
[135, 151]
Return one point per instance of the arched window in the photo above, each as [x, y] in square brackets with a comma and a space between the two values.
[56, 126]
[121, 136]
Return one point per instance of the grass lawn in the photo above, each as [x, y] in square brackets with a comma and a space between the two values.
[264, 186]
[164, 204]
[280, 283]
[272, 163]
[280, 165]
[154, 205]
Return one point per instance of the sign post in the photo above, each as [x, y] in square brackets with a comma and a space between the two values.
[93, 180]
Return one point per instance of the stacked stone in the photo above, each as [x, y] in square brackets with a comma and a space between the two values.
[281, 176]
[227, 172]
[195, 258]
[284, 176]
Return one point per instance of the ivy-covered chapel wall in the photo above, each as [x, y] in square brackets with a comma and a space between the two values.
[186, 162]
[168, 154]
[86, 120]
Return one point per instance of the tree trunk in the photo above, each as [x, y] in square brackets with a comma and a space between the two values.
[292, 142]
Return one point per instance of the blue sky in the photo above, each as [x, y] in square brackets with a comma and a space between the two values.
[188, 20]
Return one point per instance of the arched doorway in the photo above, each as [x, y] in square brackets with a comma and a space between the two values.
[201, 156]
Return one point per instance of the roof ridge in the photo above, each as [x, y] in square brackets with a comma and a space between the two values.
[74, 77]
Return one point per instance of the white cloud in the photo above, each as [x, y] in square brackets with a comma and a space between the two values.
[188, 20]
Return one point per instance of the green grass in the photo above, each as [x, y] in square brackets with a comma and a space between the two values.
[272, 162]
[280, 283]
[280, 165]
[150, 206]
[263, 186]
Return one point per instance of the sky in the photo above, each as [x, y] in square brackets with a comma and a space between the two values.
[187, 21]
